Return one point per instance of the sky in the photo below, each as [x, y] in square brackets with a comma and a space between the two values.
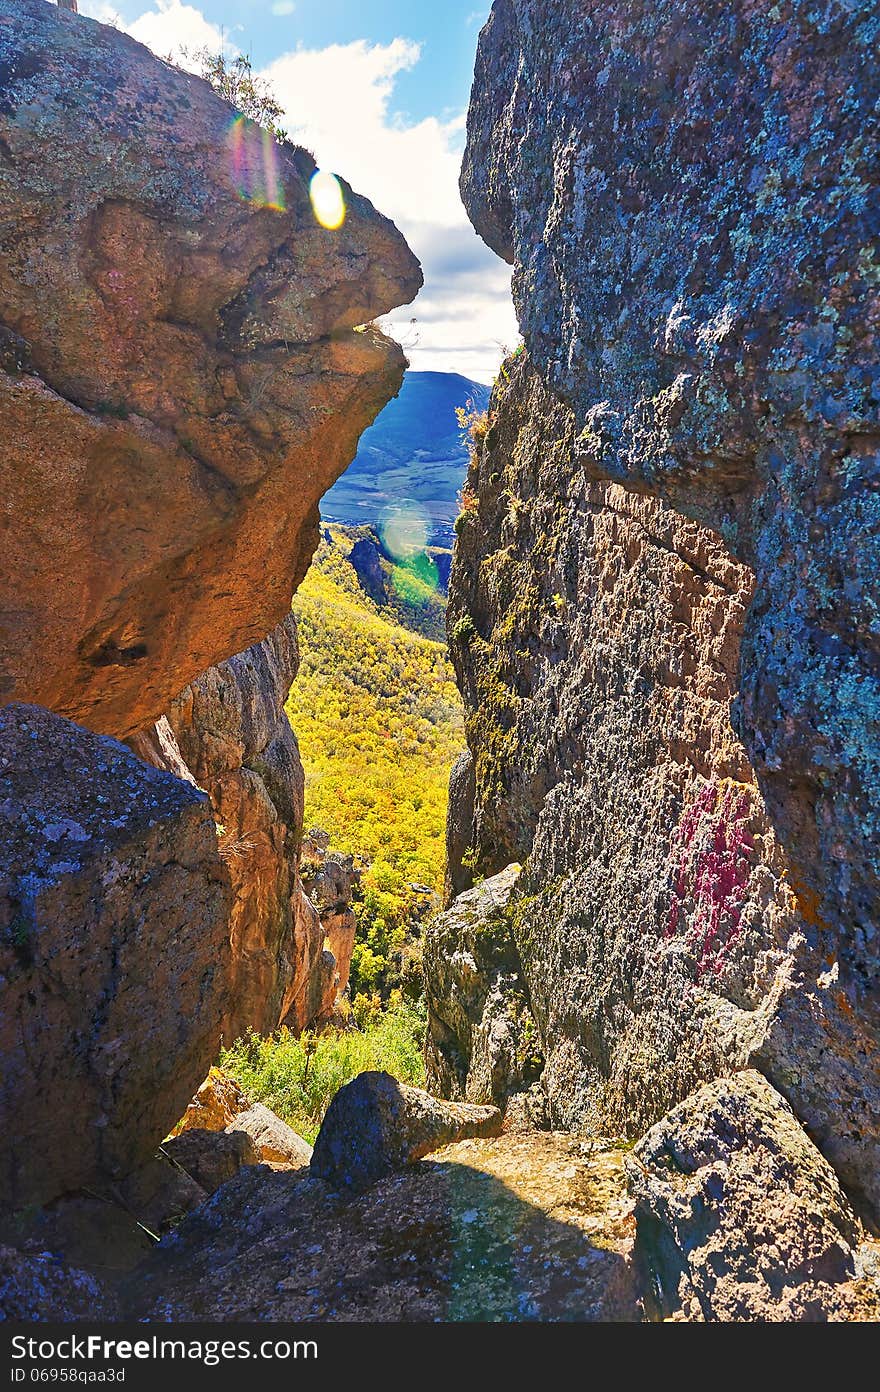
[378, 90]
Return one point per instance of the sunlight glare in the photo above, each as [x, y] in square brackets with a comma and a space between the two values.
[404, 531]
[328, 200]
[254, 159]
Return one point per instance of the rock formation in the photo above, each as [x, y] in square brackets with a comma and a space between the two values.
[236, 740]
[114, 950]
[744, 1217]
[329, 879]
[181, 379]
[663, 603]
[183, 372]
[221, 1105]
[375, 1125]
[366, 559]
[482, 1042]
[212, 1157]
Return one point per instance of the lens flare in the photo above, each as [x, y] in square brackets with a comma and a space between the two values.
[328, 200]
[253, 158]
[404, 531]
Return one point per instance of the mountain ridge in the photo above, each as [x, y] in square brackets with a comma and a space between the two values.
[412, 459]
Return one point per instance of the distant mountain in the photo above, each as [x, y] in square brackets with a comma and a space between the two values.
[412, 456]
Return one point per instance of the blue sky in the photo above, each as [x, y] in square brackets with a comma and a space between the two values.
[378, 90]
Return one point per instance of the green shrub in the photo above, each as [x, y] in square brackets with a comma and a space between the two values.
[463, 629]
[298, 1077]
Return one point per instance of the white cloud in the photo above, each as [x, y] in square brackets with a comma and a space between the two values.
[174, 29]
[101, 10]
[283, 7]
[339, 105]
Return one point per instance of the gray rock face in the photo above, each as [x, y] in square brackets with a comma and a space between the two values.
[114, 952]
[740, 1217]
[482, 1043]
[376, 1125]
[460, 823]
[35, 1286]
[670, 677]
[659, 937]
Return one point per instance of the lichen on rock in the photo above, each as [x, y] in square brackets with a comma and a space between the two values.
[663, 602]
[114, 950]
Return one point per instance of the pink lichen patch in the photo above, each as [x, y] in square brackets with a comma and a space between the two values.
[711, 859]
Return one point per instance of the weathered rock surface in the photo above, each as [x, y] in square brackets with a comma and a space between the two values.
[220, 1105]
[366, 559]
[686, 770]
[330, 879]
[40, 1287]
[211, 1157]
[113, 954]
[460, 824]
[155, 1197]
[658, 937]
[276, 1143]
[375, 1125]
[739, 1215]
[533, 1227]
[482, 1041]
[236, 740]
[217, 1102]
[180, 377]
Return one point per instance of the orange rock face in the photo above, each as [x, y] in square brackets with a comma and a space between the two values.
[232, 733]
[180, 379]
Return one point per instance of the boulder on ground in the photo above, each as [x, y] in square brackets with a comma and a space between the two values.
[114, 911]
[221, 1105]
[275, 1142]
[216, 1103]
[375, 1125]
[740, 1217]
[212, 1157]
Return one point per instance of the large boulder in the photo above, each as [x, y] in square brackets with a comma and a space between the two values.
[740, 1217]
[180, 379]
[663, 605]
[211, 1157]
[114, 952]
[220, 1105]
[276, 1143]
[376, 1125]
